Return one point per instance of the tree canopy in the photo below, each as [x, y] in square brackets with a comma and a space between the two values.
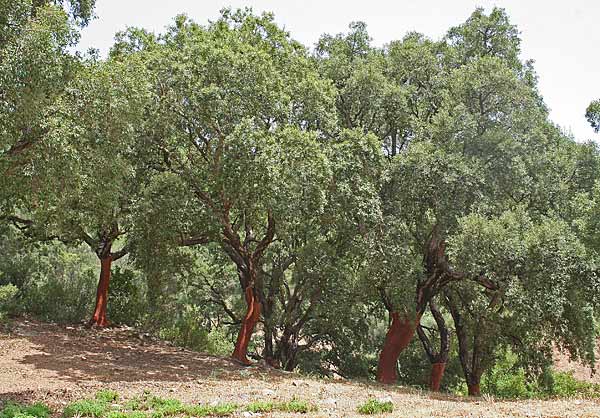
[321, 206]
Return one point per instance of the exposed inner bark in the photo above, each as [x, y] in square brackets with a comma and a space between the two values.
[439, 274]
[99, 317]
[438, 358]
[397, 339]
[474, 389]
[250, 319]
[437, 373]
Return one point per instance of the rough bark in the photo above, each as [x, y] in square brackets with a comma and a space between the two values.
[250, 319]
[99, 317]
[397, 339]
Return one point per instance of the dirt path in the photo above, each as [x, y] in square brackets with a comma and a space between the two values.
[57, 364]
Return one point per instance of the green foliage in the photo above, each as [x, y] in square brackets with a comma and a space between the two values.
[55, 282]
[188, 332]
[128, 303]
[293, 406]
[107, 396]
[296, 406]
[506, 379]
[565, 385]
[336, 186]
[509, 379]
[125, 414]
[374, 406]
[220, 410]
[13, 410]
[261, 406]
[8, 294]
[592, 114]
[147, 406]
[86, 408]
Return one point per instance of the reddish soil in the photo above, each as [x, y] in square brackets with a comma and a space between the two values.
[57, 364]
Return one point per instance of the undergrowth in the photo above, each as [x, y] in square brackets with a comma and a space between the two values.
[105, 405]
[374, 406]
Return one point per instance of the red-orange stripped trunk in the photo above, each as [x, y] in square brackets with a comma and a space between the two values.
[397, 339]
[437, 373]
[250, 319]
[474, 389]
[99, 317]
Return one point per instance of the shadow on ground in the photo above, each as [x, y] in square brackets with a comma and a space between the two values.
[77, 353]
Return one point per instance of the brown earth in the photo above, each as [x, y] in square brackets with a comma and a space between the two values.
[57, 364]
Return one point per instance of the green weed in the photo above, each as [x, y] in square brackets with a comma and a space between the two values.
[374, 406]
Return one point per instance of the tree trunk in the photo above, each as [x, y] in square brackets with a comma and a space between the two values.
[99, 317]
[268, 352]
[397, 339]
[250, 319]
[437, 373]
[287, 350]
[473, 387]
[440, 358]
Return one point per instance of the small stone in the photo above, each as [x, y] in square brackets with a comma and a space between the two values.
[385, 399]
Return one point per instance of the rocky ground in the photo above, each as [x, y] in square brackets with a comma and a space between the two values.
[57, 364]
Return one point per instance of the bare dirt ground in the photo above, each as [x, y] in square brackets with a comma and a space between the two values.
[57, 364]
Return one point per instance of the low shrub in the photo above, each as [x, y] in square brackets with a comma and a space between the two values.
[86, 408]
[107, 396]
[260, 406]
[8, 297]
[297, 406]
[374, 406]
[14, 410]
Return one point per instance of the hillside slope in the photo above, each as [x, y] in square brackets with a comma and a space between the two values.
[57, 364]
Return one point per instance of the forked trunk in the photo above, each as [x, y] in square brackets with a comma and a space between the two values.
[250, 319]
[397, 339]
[437, 373]
[437, 358]
[99, 317]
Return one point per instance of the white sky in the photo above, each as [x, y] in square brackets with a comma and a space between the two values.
[563, 37]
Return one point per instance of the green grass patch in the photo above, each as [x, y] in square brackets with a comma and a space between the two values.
[297, 406]
[86, 408]
[260, 406]
[134, 404]
[14, 410]
[126, 414]
[166, 407]
[374, 406]
[149, 406]
[221, 410]
[107, 396]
